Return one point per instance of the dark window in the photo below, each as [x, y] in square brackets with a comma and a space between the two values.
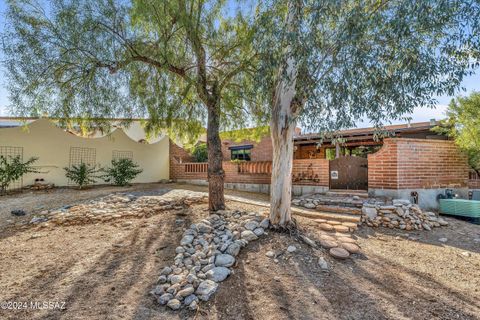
[241, 153]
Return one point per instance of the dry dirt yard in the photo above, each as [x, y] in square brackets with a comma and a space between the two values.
[106, 270]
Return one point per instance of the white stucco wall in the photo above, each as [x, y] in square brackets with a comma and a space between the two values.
[52, 146]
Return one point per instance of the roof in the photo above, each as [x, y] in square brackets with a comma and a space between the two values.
[397, 128]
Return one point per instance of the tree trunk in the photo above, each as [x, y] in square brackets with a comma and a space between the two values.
[216, 199]
[282, 127]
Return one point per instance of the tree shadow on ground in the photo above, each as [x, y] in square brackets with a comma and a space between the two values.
[459, 234]
[117, 277]
[373, 288]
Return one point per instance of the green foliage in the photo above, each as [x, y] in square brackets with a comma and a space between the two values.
[365, 59]
[200, 152]
[252, 134]
[463, 125]
[13, 168]
[121, 172]
[82, 174]
[85, 61]
[237, 161]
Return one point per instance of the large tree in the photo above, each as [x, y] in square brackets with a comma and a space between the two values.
[463, 125]
[326, 64]
[180, 63]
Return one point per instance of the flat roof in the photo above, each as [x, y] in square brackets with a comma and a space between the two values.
[407, 127]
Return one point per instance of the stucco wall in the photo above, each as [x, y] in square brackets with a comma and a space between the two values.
[53, 147]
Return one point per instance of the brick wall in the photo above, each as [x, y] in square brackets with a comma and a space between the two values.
[318, 168]
[261, 151]
[417, 164]
[309, 152]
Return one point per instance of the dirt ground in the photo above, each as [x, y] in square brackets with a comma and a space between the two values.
[105, 270]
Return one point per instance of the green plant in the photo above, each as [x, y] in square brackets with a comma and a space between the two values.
[463, 125]
[200, 152]
[13, 168]
[82, 174]
[122, 172]
[237, 161]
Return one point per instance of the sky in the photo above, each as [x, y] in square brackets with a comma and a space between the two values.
[471, 83]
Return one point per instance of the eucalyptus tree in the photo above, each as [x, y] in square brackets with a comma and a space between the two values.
[326, 64]
[180, 63]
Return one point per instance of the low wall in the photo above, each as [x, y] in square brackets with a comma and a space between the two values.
[57, 149]
[425, 166]
[297, 190]
[473, 180]
[250, 175]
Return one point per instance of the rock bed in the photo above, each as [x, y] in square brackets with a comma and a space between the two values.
[402, 214]
[208, 251]
[116, 206]
[205, 257]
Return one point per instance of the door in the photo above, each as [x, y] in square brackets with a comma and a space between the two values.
[349, 173]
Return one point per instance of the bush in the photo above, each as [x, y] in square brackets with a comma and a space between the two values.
[82, 174]
[122, 172]
[200, 153]
[12, 169]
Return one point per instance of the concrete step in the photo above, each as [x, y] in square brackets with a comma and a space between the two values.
[339, 209]
[327, 216]
[344, 193]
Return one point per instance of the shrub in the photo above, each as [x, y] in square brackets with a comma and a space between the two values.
[200, 153]
[12, 169]
[82, 174]
[122, 172]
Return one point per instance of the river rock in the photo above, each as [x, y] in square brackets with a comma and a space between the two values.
[248, 235]
[186, 292]
[174, 304]
[203, 228]
[291, 248]
[187, 239]
[233, 249]
[339, 253]
[323, 264]
[265, 223]
[309, 205]
[189, 299]
[351, 247]
[164, 298]
[258, 232]
[224, 260]
[206, 289]
[327, 244]
[251, 225]
[218, 274]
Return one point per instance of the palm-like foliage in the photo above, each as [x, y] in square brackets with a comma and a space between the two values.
[82, 174]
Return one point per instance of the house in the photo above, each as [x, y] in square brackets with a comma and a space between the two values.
[407, 161]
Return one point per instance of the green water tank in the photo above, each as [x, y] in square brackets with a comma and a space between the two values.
[460, 207]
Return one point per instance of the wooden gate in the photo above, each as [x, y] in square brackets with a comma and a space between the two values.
[349, 173]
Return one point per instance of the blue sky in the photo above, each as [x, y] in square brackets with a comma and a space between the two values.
[470, 84]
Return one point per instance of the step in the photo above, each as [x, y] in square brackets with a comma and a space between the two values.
[327, 216]
[345, 193]
[341, 203]
[339, 209]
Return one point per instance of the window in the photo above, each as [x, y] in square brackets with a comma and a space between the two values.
[241, 153]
